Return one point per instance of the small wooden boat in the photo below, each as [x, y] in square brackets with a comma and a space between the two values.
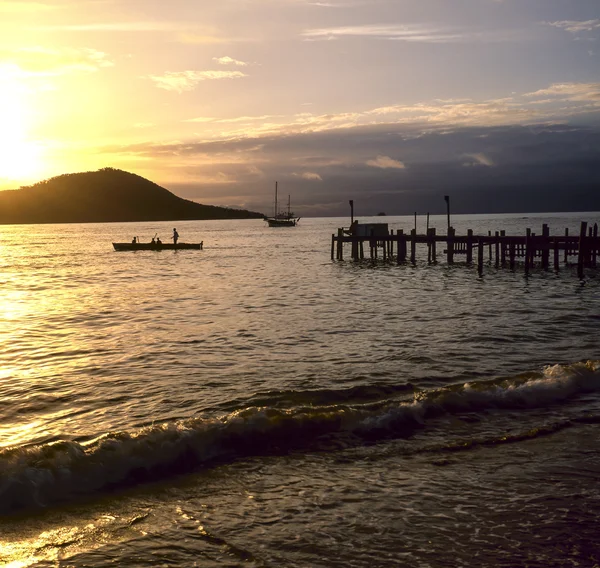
[157, 246]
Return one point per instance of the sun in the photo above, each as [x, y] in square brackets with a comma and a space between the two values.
[20, 157]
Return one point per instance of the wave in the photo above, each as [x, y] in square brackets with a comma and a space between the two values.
[43, 475]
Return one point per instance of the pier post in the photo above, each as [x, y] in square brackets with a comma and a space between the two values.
[480, 258]
[428, 242]
[497, 247]
[502, 248]
[490, 245]
[401, 246]
[340, 244]
[527, 250]
[450, 245]
[511, 254]
[567, 245]
[355, 250]
[470, 246]
[545, 246]
[413, 245]
[582, 243]
[362, 250]
[556, 255]
[332, 245]
[433, 246]
[595, 244]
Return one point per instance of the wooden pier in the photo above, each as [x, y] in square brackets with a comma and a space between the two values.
[531, 249]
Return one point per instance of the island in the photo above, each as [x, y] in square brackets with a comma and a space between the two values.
[104, 196]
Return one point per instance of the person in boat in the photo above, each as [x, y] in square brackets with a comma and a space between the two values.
[133, 241]
[175, 236]
[153, 241]
[158, 241]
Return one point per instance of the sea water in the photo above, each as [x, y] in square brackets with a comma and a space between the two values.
[257, 404]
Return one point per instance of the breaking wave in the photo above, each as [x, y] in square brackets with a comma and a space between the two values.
[39, 476]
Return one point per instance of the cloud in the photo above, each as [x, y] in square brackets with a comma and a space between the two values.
[416, 33]
[576, 26]
[385, 162]
[226, 60]
[478, 160]
[558, 162]
[181, 81]
[45, 62]
[570, 92]
[311, 176]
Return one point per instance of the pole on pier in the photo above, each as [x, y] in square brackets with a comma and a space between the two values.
[497, 248]
[595, 245]
[450, 245]
[502, 248]
[447, 199]
[354, 249]
[351, 210]
[340, 244]
[545, 246]
[332, 245]
[581, 256]
[511, 254]
[429, 242]
[566, 245]
[527, 251]
[556, 255]
[433, 246]
[413, 245]
[470, 246]
[401, 246]
[480, 258]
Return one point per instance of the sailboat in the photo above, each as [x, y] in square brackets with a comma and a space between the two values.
[282, 218]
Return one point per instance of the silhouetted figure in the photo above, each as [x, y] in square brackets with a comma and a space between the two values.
[133, 241]
[158, 241]
[175, 236]
[153, 241]
[352, 229]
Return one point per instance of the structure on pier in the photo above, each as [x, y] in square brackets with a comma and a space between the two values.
[502, 249]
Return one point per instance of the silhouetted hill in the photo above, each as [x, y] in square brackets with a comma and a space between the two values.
[107, 195]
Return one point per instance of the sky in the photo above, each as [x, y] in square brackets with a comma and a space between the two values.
[391, 103]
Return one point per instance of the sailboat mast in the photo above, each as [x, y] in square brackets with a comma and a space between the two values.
[275, 199]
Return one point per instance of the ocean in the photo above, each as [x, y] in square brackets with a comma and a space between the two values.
[257, 404]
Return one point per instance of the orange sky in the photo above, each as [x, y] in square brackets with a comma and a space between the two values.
[168, 89]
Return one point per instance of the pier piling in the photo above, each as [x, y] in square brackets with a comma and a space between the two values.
[528, 248]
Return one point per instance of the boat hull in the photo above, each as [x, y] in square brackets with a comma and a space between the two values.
[154, 246]
[281, 222]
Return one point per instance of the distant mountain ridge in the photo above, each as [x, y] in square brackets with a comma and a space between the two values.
[104, 196]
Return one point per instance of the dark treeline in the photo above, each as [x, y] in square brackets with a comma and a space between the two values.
[106, 195]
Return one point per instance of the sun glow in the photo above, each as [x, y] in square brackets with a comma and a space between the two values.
[20, 157]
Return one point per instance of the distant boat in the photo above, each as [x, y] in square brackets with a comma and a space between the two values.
[280, 218]
[157, 246]
[381, 214]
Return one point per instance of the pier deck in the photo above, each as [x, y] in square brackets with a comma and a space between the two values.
[502, 249]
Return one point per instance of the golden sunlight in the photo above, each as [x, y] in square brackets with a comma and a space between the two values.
[20, 157]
